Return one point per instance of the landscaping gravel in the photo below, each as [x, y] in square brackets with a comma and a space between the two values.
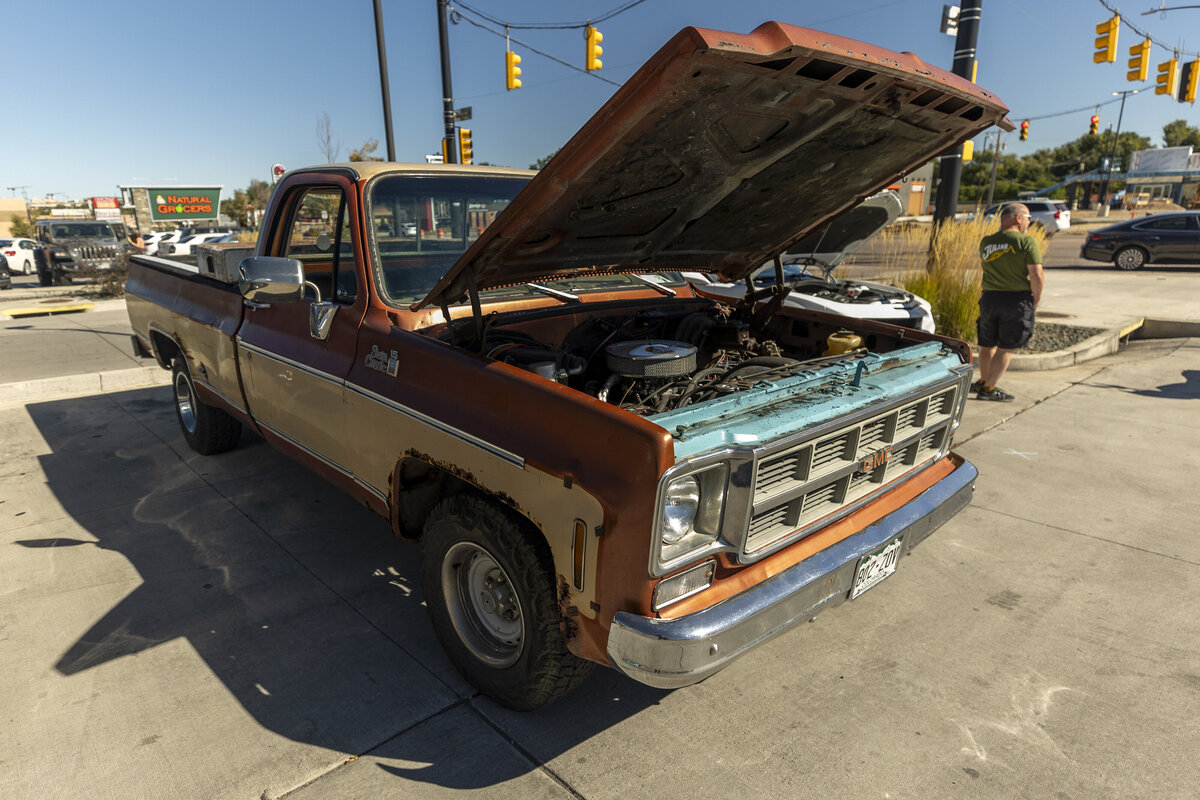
[1049, 337]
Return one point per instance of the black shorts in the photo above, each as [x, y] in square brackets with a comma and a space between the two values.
[1005, 319]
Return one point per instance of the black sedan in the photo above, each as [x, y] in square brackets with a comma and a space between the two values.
[1156, 239]
[5, 276]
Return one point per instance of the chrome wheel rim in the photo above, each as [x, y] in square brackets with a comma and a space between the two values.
[483, 605]
[1129, 259]
[185, 402]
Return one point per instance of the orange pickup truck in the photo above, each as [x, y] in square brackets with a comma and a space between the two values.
[599, 464]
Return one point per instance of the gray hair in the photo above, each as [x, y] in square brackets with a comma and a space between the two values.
[1013, 210]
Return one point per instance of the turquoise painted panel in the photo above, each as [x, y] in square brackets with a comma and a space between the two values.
[775, 409]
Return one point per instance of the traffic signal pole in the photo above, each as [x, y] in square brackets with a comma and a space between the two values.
[383, 83]
[450, 142]
[964, 58]
[1112, 152]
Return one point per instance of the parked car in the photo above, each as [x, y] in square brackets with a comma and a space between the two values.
[79, 246]
[184, 246]
[808, 269]
[5, 276]
[19, 253]
[1172, 237]
[1052, 215]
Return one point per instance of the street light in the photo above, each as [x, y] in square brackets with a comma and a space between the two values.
[1112, 151]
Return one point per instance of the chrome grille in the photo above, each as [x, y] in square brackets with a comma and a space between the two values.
[798, 485]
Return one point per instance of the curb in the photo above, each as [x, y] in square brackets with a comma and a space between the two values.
[1102, 344]
[20, 393]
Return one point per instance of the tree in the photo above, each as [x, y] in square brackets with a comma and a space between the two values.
[329, 148]
[1179, 133]
[21, 227]
[259, 193]
[364, 153]
[235, 207]
[543, 161]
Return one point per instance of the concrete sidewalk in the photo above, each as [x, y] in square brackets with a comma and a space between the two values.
[180, 626]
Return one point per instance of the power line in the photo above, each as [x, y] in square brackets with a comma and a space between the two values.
[1143, 34]
[1084, 108]
[530, 47]
[607, 15]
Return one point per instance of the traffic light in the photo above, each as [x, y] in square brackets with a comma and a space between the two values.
[594, 50]
[1168, 77]
[512, 70]
[464, 146]
[1139, 62]
[968, 151]
[1095, 125]
[1106, 42]
[1024, 130]
[1188, 80]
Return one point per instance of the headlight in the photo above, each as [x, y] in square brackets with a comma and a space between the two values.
[680, 507]
[691, 513]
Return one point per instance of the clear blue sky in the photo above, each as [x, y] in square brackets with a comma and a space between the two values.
[147, 92]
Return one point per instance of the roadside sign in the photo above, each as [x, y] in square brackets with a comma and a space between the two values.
[176, 204]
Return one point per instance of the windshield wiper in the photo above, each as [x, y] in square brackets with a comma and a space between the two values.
[564, 297]
[655, 285]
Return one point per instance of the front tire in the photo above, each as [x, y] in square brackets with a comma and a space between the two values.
[206, 429]
[1129, 258]
[490, 590]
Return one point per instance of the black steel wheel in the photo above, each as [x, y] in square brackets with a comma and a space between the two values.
[489, 587]
[1131, 257]
[207, 430]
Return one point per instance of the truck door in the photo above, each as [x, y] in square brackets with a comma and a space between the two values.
[295, 356]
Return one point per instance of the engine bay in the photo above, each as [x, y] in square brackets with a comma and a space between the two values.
[651, 357]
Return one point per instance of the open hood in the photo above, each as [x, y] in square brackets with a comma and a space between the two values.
[832, 243]
[721, 152]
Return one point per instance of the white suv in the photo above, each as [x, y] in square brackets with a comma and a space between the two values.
[1052, 215]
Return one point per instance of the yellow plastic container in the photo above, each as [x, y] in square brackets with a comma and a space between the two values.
[842, 342]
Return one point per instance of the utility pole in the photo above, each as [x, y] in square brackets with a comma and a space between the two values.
[383, 83]
[1112, 151]
[992, 182]
[964, 58]
[449, 143]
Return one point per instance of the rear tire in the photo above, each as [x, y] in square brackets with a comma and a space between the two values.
[490, 590]
[206, 429]
[1130, 258]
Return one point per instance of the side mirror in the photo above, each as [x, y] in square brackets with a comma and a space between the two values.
[271, 279]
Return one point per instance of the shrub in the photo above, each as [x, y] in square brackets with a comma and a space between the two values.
[947, 276]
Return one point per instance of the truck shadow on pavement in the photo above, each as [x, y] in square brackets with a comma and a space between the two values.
[1188, 389]
[296, 598]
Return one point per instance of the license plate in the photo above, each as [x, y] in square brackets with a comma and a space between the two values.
[874, 567]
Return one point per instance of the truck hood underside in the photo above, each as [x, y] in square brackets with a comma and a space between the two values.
[721, 152]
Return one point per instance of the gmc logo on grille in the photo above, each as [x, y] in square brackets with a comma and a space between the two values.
[876, 460]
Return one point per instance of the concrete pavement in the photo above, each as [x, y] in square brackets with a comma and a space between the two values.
[176, 626]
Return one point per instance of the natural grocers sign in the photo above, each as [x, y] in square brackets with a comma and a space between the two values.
[168, 205]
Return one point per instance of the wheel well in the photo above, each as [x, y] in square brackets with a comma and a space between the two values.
[417, 486]
[165, 348]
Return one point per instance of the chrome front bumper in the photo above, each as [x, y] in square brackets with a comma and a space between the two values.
[669, 653]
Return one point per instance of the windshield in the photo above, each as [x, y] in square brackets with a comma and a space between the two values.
[420, 225]
[84, 230]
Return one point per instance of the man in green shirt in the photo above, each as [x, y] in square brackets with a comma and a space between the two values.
[1012, 288]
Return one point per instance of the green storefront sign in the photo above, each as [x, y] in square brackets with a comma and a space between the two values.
[177, 204]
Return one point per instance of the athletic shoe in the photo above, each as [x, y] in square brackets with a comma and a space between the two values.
[997, 394]
[977, 386]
